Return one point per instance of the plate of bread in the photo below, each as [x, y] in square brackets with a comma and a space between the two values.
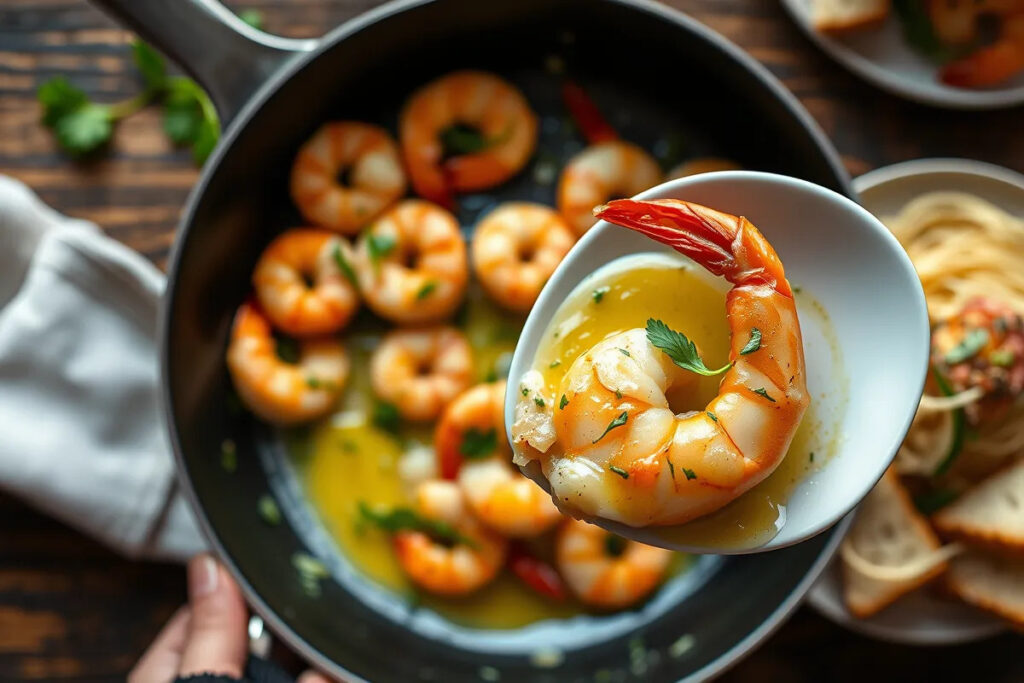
[958, 54]
[935, 553]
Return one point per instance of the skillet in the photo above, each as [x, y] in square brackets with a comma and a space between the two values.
[656, 73]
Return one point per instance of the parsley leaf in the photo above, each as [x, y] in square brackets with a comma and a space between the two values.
[425, 291]
[619, 471]
[681, 350]
[539, 401]
[379, 246]
[671, 468]
[84, 130]
[405, 519]
[754, 344]
[563, 403]
[973, 342]
[460, 139]
[150, 64]
[344, 266]
[599, 293]
[385, 415]
[269, 511]
[714, 418]
[689, 474]
[253, 17]
[624, 352]
[763, 392]
[617, 422]
[478, 444]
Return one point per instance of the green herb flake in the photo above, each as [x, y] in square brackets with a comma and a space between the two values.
[317, 383]
[269, 512]
[679, 348]
[555, 364]
[385, 415]
[253, 17]
[972, 343]
[344, 266]
[811, 456]
[311, 571]
[379, 246]
[624, 352]
[753, 344]
[228, 456]
[563, 403]
[764, 393]
[426, 290]
[714, 418]
[150, 64]
[1003, 358]
[539, 401]
[617, 422]
[460, 139]
[618, 394]
[599, 293]
[619, 471]
[405, 519]
[525, 391]
[477, 444]
[671, 468]
[689, 474]
[933, 501]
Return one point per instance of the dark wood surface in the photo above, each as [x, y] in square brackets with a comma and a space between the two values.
[70, 610]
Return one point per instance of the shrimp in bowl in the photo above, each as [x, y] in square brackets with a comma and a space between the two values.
[606, 435]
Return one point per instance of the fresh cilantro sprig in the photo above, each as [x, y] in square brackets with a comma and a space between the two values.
[82, 126]
[477, 443]
[405, 519]
[679, 348]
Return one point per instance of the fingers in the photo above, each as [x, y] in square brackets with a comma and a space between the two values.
[217, 639]
[160, 662]
[313, 677]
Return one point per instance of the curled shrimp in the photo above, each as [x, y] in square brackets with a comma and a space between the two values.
[411, 264]
[449, 568]
[471, 446]
[624, 454]
[516, 248]
[501, 137]
[365, 156]
[605, 570]
[599, 173]
[421, 371]
[280, 278]
[277, 391]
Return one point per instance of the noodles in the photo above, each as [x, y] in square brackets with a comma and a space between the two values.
[963, 248]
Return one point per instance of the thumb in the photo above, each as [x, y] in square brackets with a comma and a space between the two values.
[217, 640]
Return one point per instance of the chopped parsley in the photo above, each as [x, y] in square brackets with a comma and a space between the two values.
[671, 468]
[764, 393]
[617, 422]
[317, 383]
[599, 293]
[624, 352]
[811, 456]
[618, 394]
[555, 364]
[619, 471]
[563, 403]
[539, 401]
[385, 415]
[969, 347]
[525, 391]
[714, 418]
[426, 290]
[689, 474]
[379, 246]
[269, 512]
[478, 443]
[344, 266]
[753, 344]
[405, 519]
[679, 348]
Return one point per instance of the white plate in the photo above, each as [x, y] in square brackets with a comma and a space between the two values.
[882, 56]
[921, 618]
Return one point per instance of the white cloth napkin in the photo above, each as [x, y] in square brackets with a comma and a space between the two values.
[81, 433]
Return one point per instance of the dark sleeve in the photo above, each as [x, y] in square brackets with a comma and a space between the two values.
[256, 671]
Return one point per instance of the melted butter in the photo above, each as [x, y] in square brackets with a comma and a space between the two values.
[689, 299]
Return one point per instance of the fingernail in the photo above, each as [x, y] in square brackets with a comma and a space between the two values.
[202, 576]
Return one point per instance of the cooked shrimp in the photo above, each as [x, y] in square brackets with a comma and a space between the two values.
[471, 445]
[276, 390]
[488, 117]
[281, 275]
[623, 454]
[605, 570]
[599, 173]
[449, 568]
[515, 249]
[993, 63]
[365, 156]
[411, 264]
[956, 22]
[701, 165]
[421, 371]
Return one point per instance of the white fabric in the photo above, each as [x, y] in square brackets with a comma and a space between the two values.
[81, 433]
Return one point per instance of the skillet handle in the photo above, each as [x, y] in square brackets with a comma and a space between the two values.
[229, 58]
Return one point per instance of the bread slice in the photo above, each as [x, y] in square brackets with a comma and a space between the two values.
[841, 16]
[990, 581]
[889, 535]
[990, 514]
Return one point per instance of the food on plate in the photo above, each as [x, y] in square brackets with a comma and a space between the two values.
[447, 551]
[990, 581]
[890, 550]
[346, 175]
[993, 63]
[839, 16]
[990, 514]
[605, 570]
[281, 386]
[515, 249]
[466, 131]
[701, 165]
[301, 285]
[411, 264]
[601, 172]
[420, 371]
[606, 435]
[963, 458]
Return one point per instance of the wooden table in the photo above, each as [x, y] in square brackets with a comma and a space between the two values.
[72, 610]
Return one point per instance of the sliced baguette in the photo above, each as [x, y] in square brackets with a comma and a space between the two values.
[888, 533]
[990, 581]
[990, 514]
[841, 16]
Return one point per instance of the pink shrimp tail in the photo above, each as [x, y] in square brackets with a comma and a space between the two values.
[726, 245]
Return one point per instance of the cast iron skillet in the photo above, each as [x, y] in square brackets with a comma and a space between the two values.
[655, 72]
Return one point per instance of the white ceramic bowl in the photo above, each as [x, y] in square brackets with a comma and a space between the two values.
[845, 259]
[921, 618]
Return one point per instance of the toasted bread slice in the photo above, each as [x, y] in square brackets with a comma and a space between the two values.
[888, 535]
[841, 16]
[990, 514]
[990, 581]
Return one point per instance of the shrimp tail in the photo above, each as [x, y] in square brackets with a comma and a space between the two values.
[727, 246]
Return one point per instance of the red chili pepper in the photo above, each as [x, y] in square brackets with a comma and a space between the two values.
[586, 114]
[446, 440]
[537, 574]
